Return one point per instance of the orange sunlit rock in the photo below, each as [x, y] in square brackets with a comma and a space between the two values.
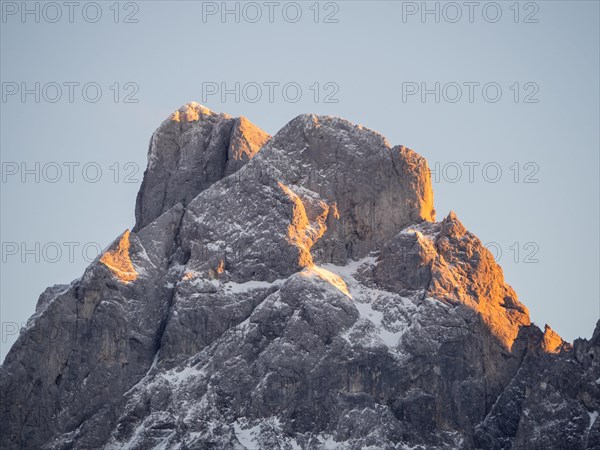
[330, 277]
[464, 270]
[188, 276]
[416, 164]
[119, 262]
[551, 342]
[302, 233]
[190, 113]
[336, 212]
[214, 273]
[246, 140]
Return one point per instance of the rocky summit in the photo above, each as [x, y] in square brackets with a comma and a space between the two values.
[292, 292]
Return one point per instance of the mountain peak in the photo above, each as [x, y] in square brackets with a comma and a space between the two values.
[191, 112]
[332, 125]
[551, 341]
[189, 152]
[292, 291]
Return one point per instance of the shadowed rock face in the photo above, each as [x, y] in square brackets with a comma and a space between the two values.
[300, 296]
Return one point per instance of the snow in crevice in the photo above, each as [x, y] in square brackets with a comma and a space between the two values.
[593, 416]
[251, 435]
[146, 377]
[384, 316]
[235, 288]
[175, 376]
[247, 437]
[142, 254]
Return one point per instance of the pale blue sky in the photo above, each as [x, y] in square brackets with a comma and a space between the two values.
[368, 54]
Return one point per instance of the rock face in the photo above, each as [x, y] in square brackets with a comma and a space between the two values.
[300, 296]
[191, 150]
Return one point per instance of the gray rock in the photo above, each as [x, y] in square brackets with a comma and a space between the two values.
[191, 150]
[300, 296]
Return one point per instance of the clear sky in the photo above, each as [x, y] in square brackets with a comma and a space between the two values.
[517, 113]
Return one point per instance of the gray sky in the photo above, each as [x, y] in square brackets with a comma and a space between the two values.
[518, 93]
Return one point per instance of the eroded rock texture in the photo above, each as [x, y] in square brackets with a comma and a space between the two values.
[191, 150]
[292, 292]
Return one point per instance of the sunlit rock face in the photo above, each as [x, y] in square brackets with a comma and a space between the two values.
[191, 150]
[373, 189]
[292, 292]
[118, 260]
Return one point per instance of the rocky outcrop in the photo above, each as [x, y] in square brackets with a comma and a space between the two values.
[373, 190]
[553, 400]
[84, 348]
[190, 151]
[300, 296]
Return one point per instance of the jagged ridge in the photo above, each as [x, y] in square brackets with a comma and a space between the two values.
[300, 295]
